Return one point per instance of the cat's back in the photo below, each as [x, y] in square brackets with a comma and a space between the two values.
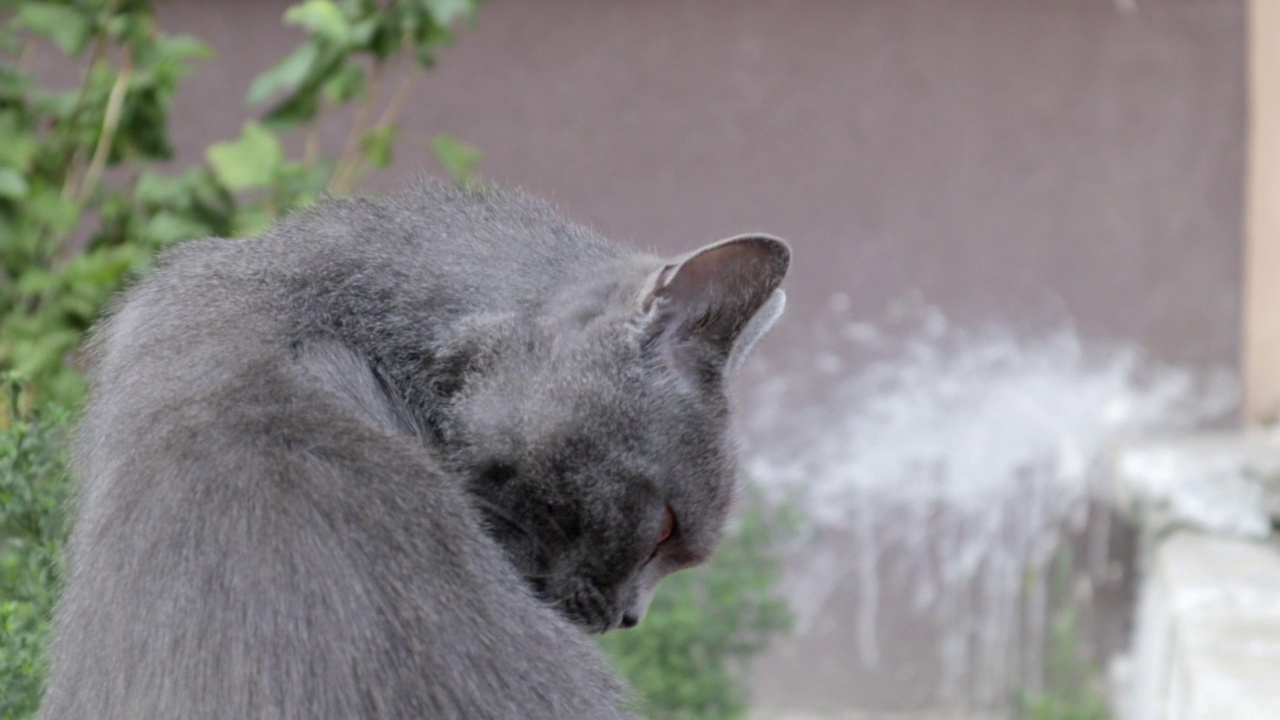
[216, 310]
[479, 249]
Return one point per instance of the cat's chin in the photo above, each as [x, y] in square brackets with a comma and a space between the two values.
[592, 626]
[599, 628]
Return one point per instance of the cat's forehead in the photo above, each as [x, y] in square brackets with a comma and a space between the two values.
[665, 440]
[595, 398]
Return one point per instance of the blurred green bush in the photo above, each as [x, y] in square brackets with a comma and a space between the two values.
[33, 493]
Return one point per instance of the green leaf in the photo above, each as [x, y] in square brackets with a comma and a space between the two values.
[288, 74]
[100, 270]
[12, 184]
[182, 47]
[296, 109]
[302, 104]
[31, 354]
[426, 39]
[35, 281]
[363, 32]
[251, 221]
[153, 188]
[12, 83]
[345, 83]
[246, 163]
[299, 184]
[168, 227]
[45, 204]
[456, 157]
[444, 12]
[20, 145]
[67, 28]
[59, 104]
[376, 145]
[322, 17]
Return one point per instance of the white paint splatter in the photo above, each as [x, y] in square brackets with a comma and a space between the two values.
[963, 455]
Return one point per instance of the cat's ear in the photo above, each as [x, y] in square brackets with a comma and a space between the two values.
[757, 327]
[723, 297]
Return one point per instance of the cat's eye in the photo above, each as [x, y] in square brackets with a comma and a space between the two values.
[668, 525]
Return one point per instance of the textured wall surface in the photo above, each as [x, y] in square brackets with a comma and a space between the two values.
[1012, 161]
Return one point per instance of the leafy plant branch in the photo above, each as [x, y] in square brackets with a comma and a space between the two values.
[56, 273]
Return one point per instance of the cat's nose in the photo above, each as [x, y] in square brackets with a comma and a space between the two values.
[632, 616]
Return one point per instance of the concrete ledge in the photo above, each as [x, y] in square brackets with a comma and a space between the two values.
[1208, 636]
[1227, 484]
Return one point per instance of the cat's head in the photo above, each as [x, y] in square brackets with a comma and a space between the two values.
[595, 435]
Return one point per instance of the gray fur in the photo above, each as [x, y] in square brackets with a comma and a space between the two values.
[391, 460]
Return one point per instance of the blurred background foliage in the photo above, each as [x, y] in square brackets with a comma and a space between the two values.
[33, 492]
[88, 195]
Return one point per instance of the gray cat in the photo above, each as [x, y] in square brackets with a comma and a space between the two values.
[393, 458]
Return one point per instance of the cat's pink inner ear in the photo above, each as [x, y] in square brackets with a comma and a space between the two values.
[717, 289]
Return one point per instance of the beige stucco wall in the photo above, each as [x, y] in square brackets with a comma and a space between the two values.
[1262, 255]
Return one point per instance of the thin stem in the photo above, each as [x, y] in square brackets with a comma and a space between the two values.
[403, 88]
[311, 148]
[110, 124]
[74, 242]
[349, 162]
[24, 57]
[71, 157]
